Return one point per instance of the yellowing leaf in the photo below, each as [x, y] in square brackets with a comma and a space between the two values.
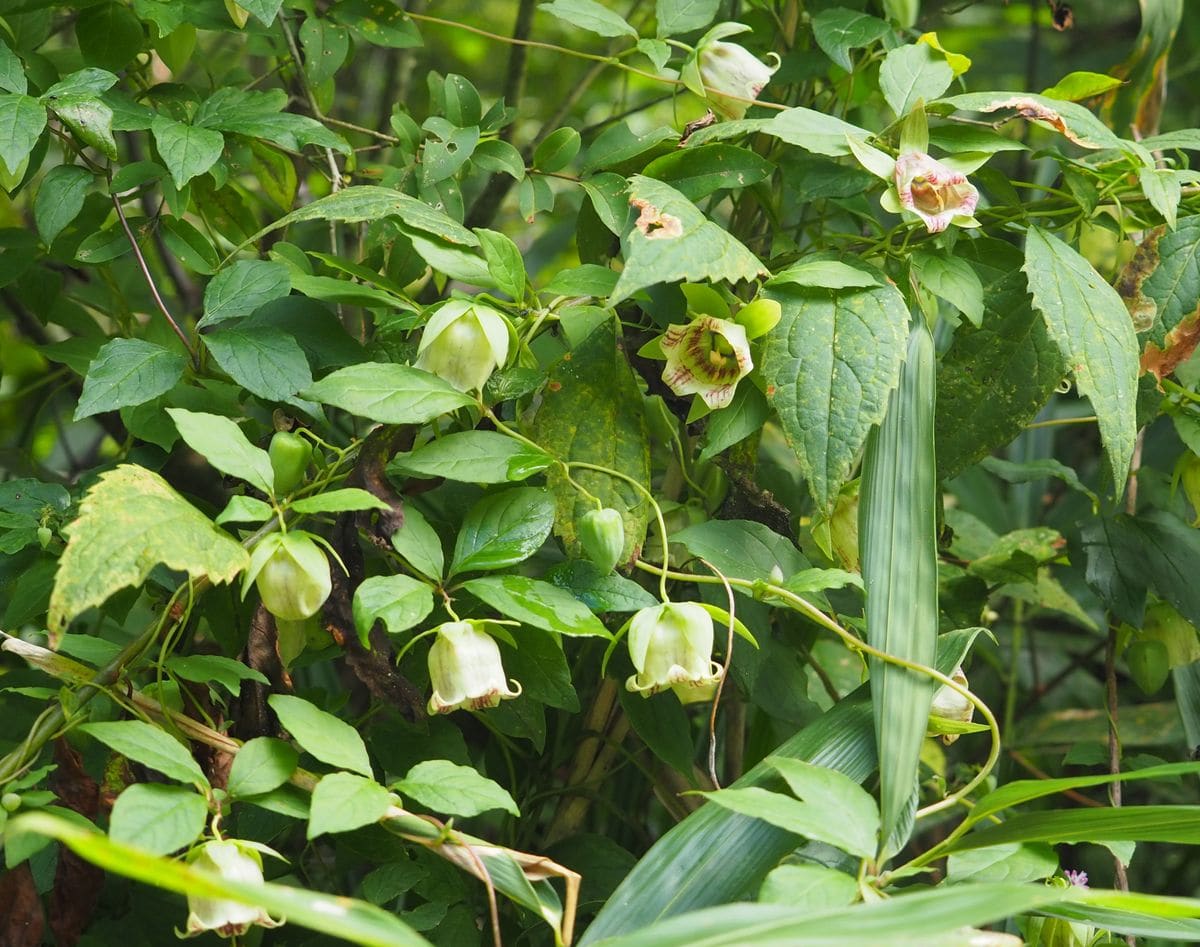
[956, 61]
[129, 522]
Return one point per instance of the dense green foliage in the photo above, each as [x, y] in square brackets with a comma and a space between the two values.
[625, 474]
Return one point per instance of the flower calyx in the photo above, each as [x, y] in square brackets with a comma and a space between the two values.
[671, 647]
[465, 669]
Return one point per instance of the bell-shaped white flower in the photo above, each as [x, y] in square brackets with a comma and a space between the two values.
[463, 343]
[732, 76]
[465, 670]
[236, 864]
[949, 704]
[671, 646]
[706, 357]
[937, 194]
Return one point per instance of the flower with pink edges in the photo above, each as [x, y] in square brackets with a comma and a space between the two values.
[937, 194]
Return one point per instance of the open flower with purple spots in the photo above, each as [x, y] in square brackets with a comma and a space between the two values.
[938, 194]
[706, 357]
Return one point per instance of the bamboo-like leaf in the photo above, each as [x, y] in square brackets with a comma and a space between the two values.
[1177, 824]
[714, 855]
[917, 919]
[898, 542]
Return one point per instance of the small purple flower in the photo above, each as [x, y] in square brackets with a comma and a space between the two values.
[1078, 879]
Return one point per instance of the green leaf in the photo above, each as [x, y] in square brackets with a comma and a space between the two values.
[498, 156]
[831, 362]
[244, 509]
[90, 81]
[370, 202]
[342, 802]
[149, 746]
[89, 119]
[388, 393]
[745, 415]
[1003, 863]
[537, 603]
[12, 71]
[698, 172]
[258, 115]
[827, 274]
[1081, 85]
[321, 734]
[994, 379]
[504, 262]
[338, 916]
[126, 372]
[540, 665]
[242, 288]
[221, 442]
[473, 457]
[557, 150]
[672, 241]
[838, 30]
[130, 521]
[109, 35]
[264, 360]
[503, 529]
[1127, 555]
[215, 669]
[585, 14]
[591, 412]
[448, 788]
[953, 279]
[683, 16]
[1172, 285]
[381, 24]
[60, 199]
[22, 119]
[261, 764]
[897, 517]
[911, 74]
[185, 149]
[419, 544]
[796, 817]
[265, 10]
[345, 500]
[741, 548]
[325, 46]
[399, 601]
[809, 887]
[1091, 327]
[600, 593]
[156, 818]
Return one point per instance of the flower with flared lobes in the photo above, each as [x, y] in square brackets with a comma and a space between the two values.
[732, 76]
[671, 646]
[939, 195]
[237, 864]
[465, 670]
[463, 343]
[706, 357]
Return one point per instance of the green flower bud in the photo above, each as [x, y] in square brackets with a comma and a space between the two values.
[294, 581]
[671, 646]
[10, 802]
[949, 704]
[290, 456]
[44, 536]
[759, 317]
[602, 535]
[463, 343]
[238, 864]
[1149, 664]
[465, 669]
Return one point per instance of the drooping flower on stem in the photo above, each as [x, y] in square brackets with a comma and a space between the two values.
[671, 646]
[238, 864]
[465, 670]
